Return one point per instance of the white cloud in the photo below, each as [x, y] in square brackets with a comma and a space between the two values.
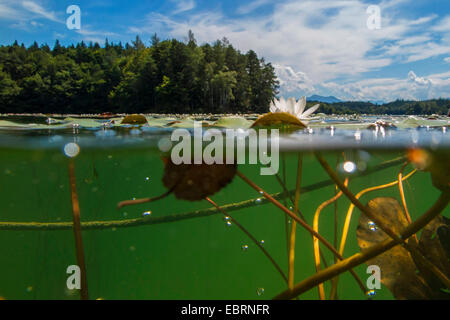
[183, 6]
[40, 11]
[8, 12]
[249, 7]
[444, 25]
[447, 59]
[418, 80]
[291, 81]
[25, 11]
[388, 89]
[314, 42]
[99, 36]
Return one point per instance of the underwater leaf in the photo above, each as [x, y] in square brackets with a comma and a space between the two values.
[443, 233]
[431, 245]
[279, 120]
[195, 182]
[398, 270]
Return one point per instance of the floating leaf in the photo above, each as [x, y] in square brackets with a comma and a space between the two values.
[233, 123]
[195, 182]
[134, 119]
[84, 122]
[398, 270]
[187, 123]
[160, 122]
[279, 120]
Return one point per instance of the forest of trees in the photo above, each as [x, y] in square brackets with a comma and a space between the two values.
[166, 76]
[398, 107]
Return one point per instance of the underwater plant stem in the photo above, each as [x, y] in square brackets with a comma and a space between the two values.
[369, 253]
[299, 221]
[316, 241]
[77, 231]
[402, 196]
[144, 200]
[137, 222]
[348, 218]
[286, 219]
[255, 241]
[413, 250]
[294, 223]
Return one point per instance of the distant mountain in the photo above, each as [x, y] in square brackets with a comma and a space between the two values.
[329, 99]
[377, 102]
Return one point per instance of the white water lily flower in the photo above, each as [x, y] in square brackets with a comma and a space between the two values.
[295, 108]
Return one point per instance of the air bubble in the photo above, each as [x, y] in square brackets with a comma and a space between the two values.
[71, 150]
[349, 166]
[370, 293]
[147, 213]
[262, 242]
[164, 144]
[372, 226]
[260, 291]
[258, 201]
[244, 247]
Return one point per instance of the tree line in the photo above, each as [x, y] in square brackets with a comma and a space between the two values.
[167, 76]
[398, 107]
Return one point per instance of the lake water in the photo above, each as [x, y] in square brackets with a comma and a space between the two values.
[178, 249]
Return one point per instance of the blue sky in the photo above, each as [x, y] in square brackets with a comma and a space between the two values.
[317, 46]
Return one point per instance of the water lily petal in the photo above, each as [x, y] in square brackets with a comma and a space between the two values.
[282, 104]
[310, 111]
[290, 106]
[273, 108]
[300, 106]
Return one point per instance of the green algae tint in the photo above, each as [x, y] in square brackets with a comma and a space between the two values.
[177, 249]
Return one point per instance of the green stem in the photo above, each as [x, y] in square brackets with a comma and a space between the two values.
[98, 225]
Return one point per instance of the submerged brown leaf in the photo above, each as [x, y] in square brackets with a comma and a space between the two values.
[431, 245]
[195, 182]
[399, 272]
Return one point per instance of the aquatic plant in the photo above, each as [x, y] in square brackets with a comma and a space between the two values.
[288, 115]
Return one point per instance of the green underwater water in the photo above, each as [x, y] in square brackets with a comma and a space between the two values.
[198, 258]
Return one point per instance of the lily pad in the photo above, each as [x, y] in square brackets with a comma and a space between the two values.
[195, 182]
[233, 123]
[83, 122]
[279, 120]
[134, 119]
[399, 272]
